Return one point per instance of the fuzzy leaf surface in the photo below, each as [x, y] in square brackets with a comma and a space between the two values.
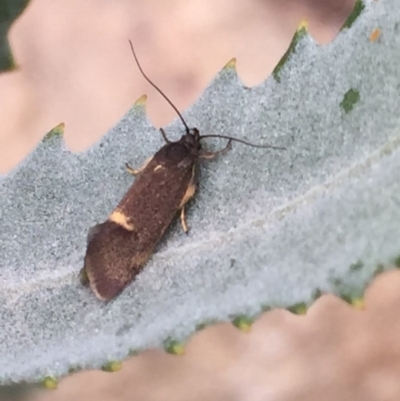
[268, 228]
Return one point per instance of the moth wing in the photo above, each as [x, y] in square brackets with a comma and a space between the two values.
[93, 231]
[186, 162]
[108, 259]
[107, 287]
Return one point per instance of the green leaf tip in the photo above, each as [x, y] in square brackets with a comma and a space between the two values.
[299, 34]
[243, 323]
[357, 9]
[112, 366]
[298, 309]
[174, 347]
[139, 107]
[231, 64]
[50, 383]
[56, 132]
[357, 302]
[141, 102]
[350, 98]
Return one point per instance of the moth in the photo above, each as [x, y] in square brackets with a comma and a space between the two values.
[118, 248]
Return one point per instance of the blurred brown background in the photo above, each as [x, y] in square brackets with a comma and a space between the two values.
[76, 67]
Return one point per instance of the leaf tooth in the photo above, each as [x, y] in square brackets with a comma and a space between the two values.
[298, 309]
[174, 347]
[301, 32]
[358, 303]
[141, 102]
[112, 366]
[231, 64]
[357, 9]
[303, 25]
[243, 323]
[139, 108]
[56, 133]
[50, 383]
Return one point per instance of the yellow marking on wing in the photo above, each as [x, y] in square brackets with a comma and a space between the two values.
[158, 167]
[121, 219]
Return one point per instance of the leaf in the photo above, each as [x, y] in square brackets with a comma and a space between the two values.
[268, 228]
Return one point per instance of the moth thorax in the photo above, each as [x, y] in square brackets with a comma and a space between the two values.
[192, 139]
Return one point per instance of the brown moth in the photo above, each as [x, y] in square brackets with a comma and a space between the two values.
[118, 248]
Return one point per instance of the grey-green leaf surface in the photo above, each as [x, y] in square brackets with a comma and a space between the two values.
[268, 228]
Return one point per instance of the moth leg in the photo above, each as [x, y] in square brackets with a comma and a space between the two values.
[164, 135]
[133, 171]
[183, 220]
[191, 189]
[212, 155]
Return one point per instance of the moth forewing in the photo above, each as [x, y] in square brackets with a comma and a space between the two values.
[118, 248]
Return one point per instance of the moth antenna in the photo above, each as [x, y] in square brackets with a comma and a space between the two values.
[158, 89]
[244, 142]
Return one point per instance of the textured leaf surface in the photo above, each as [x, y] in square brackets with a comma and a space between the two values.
[268, 228]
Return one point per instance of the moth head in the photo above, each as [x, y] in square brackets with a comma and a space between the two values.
[192, 139]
